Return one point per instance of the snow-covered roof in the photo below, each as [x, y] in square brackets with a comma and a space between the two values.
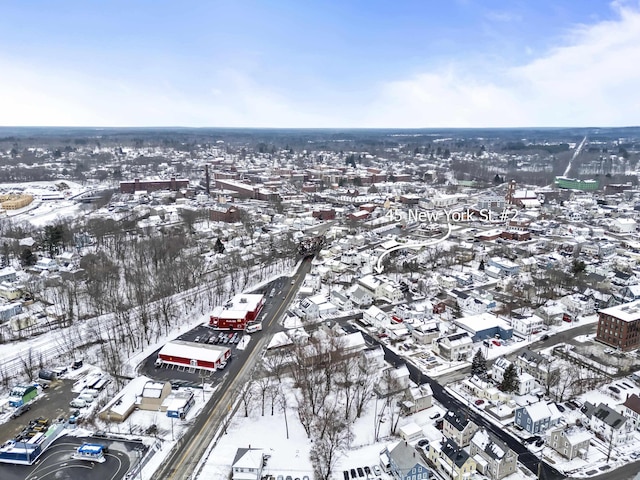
[627, 312]
[193, 351]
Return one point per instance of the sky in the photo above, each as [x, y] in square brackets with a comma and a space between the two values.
[320, 64]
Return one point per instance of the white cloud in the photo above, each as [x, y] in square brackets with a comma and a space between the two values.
[591, 80]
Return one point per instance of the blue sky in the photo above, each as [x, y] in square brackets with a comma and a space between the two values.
[284, 63]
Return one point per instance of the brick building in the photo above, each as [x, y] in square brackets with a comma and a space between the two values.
[153, 185]
[619, 326]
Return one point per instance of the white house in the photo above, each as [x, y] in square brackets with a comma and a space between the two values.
[623, 225]
[376, 317]
[608, 424]
[526, 326]
[247, 464]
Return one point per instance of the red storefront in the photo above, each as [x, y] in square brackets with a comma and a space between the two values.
[237, 312]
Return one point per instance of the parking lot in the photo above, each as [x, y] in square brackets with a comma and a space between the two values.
[185, 374]
[56, 462]
[50, 403]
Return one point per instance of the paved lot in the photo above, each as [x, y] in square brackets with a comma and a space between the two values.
[56, 462]
[51, 403]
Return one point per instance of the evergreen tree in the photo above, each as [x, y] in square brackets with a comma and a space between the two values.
[27, 258]
[479, 363]
[510, 380]
[218, 247]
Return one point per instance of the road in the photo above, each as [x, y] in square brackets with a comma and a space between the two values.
[183, 459]
[525, 457]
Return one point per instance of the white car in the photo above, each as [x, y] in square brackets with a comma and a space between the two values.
[77, 403]
[221, 365]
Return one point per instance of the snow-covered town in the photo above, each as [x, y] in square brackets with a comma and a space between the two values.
[223, 309]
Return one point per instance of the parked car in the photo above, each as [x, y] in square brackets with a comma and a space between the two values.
[377, 470]
[77, 364]
[353, 473]
[435, 415]
[221, 365]
[360, 472]
[20, 410]
[540, 442]
[614, 389]
[212, 339]
[197, 339]
[367, 470]
[237, 339]
[345, 474]
[77, 403]
[158, 362]
[544, 338]
[479, 401]
[560, 407]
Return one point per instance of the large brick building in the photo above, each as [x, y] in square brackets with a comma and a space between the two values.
[619, 326]
[138, 185]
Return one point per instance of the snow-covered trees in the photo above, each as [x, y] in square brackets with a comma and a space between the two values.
[479, 364]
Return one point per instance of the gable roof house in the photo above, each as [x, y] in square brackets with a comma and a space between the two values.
[455, 347]
[360, 296]
[631, 409]
[538, 366]
[458, 427]
[247, 464]
[607, 424]
[405, 463]
[451, 460]
[570, 442]
[492, 456]
[417, 398]
[537, 417]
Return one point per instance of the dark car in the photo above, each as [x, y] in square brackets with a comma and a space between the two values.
[540, 442]
[353, 473]
[360, 472]
[544, 338]
[560, 407]
[614, 389]
[345, 474]
[367, 470]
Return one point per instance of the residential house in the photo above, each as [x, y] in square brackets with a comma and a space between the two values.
[451, 460]
[417, 398]
[8, 311]
[404, 462]
[455, 347]
[247, 464]
[457, 426]
[393, 380]
[540, 367]
[505, 266]
[375, 317]
[10, 291]
[578, 304]
[569, 441]
[607, 424]
[492, 456]
[631, 409]
[8, 274]
[526, 326]
[630, 293]
[340, 299]
[360, 296]
[48, 264]
[425, 333]
[537, 417]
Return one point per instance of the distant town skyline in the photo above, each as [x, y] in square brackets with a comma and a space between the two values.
[324, 64]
